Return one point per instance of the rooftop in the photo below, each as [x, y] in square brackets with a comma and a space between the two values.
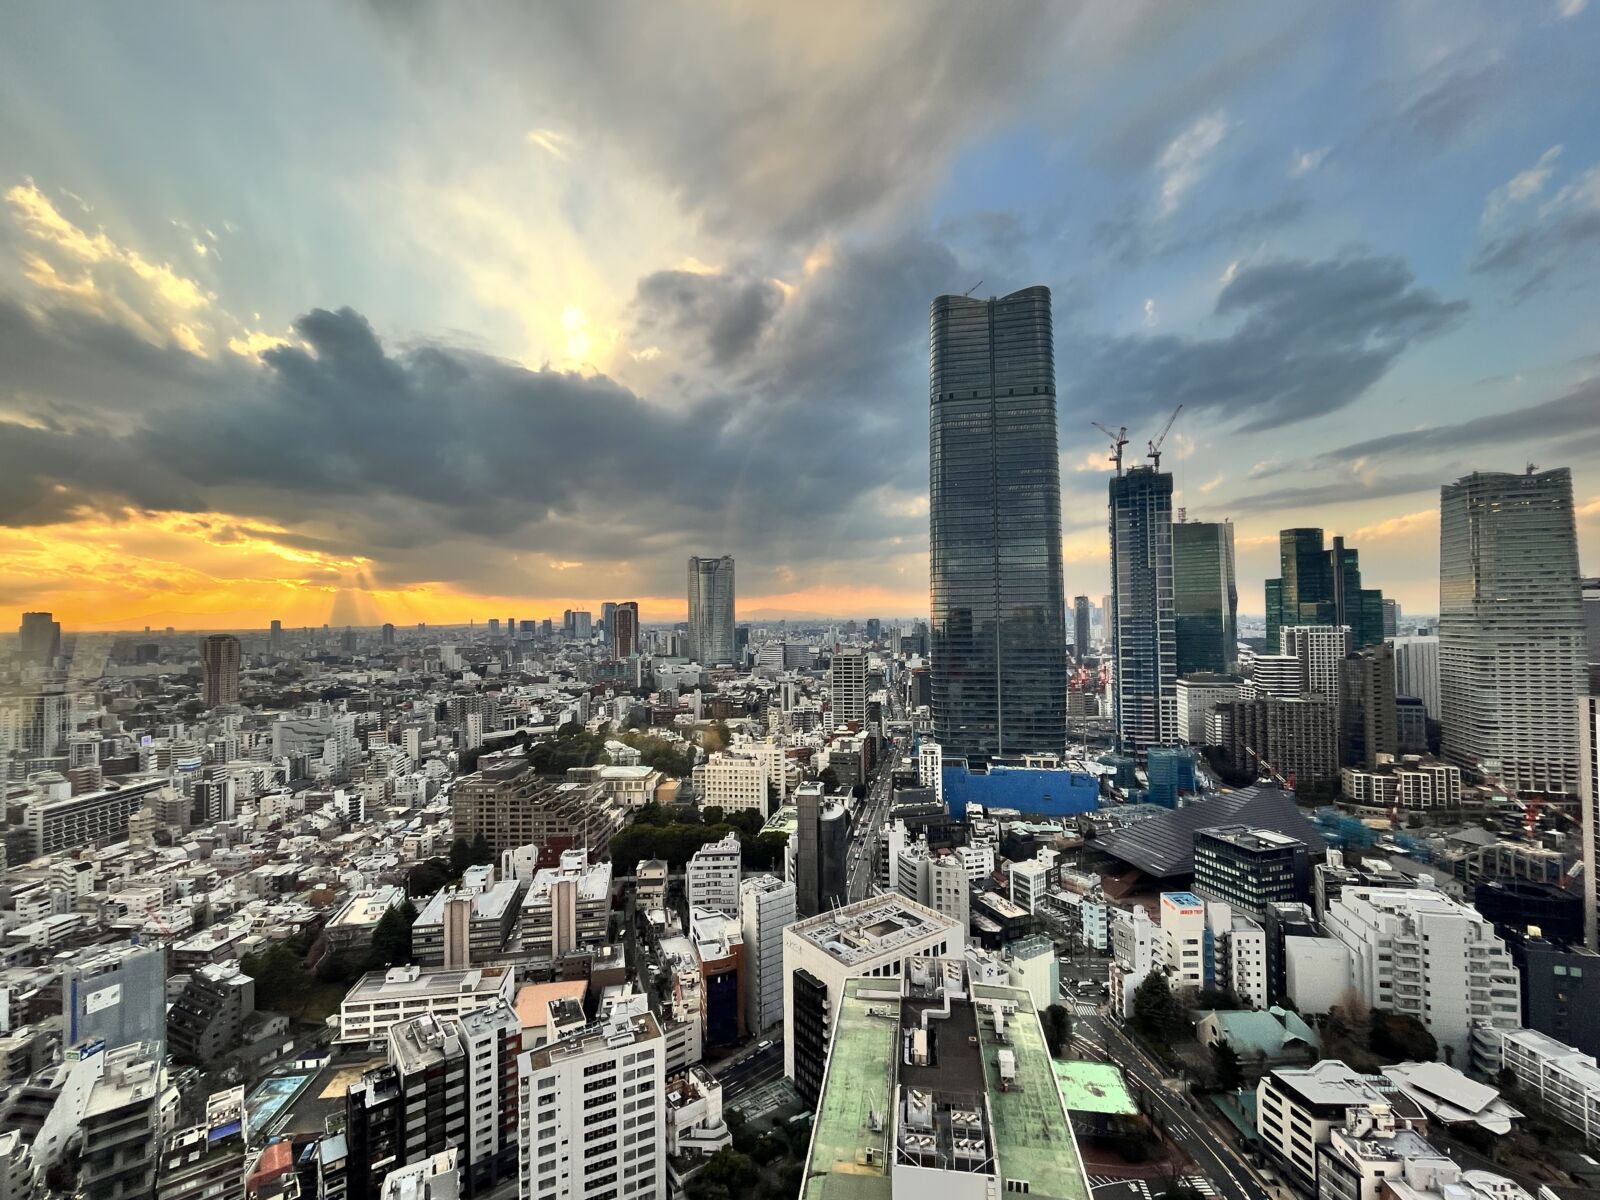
[1094, 1087]
[421, 982]
[488, 905]
[870, 928]
[533, 999]
[850, 1139]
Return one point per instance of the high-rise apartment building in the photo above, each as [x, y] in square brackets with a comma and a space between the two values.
[1080, 626]
[1511, 631]
[592, 1113]
[386, 634]
[1205, 597]
[622, 628]
[39, 638]
[1143, 634]
[275, 637]
[1416, 670]
[999, 683]
[711, 602]
[766, 909]
[1369, 725]
[219, 656]
[1321, 649]
[847, 686]
[1589, 796]
[712, 876]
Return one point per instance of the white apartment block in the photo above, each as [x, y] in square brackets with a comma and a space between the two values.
[382, 999]
[713, 875]
[1274, 675]
[593, 1114]
[1183, 939]
[938, 879]
[1297, 1110]
[1411, 784]
[1030, 880]
[1567, 1080]
[847, 686]
[733, 782]
[1136, 950]
[1239, 954]
[1198, 697]
[766, 909]
[1420, 953]
[1320, 649]
[1416, 670]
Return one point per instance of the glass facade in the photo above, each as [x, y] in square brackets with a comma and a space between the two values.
[1205, 596]
[1080, 626]
[711, 637]
[1321, 587]
[998, 606]
[1144, 637]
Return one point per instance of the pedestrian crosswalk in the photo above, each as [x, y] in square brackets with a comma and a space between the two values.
[1200, 1184]
[1085, 1008]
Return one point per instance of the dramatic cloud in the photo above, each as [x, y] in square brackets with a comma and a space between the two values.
[728, 314]
[1559, 235]
[1309, 338]
[1574, 413]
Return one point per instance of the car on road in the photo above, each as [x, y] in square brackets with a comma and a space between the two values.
[764, 1044]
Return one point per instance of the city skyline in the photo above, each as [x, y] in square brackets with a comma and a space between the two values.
[1361, 274]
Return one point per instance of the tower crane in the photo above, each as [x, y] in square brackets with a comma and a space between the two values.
[1155, 442]
[1119, 439]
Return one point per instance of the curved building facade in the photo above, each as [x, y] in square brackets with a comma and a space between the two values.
[711, 610]
[999, 679]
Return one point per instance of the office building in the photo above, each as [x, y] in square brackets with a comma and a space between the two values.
[998, 650]
[1391, 618]
[766, 909]
[1136, 950]
[1410, 725]
[1417, 952]
[1298, 1108]
[1416, 670]
[1251, 869]
[35, 724]
[1081, 643]
[821, 841]
[382, 999]
[1170, 772]
[1239, 959]
[713, 873]
[1205, 597]
[566, 908]
[940, 1085]
[871, 938]
[1197, 697]
[711, 607]
[1318, 586]
[1511, 632]
[592, 1113]
[1143, 637]
[219, 657]
[1369, 721]
[847, 686]
[1184, 942]
[39, 638]
[622, 628]
[734, 781]
[115, 994]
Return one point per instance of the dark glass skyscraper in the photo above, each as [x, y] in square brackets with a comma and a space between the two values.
[1080, 625]
[1205, 598]
[1144, 642]
[1321, 587]
[998, 613]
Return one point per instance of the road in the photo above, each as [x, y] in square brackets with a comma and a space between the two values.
[1212, 1153]
[868, 825]
[751, 1071]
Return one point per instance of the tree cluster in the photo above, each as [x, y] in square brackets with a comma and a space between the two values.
[1369, 1038]
[1057, 1021]
[1156, 1011]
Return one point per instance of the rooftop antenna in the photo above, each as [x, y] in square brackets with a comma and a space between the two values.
[1155, 443]
[1119, 439]
[973, 288]
[1532, 468]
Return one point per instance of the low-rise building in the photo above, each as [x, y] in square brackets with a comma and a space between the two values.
[382, 999]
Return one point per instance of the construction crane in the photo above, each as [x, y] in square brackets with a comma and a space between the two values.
[1119, 439]
[1268, 769]
[1155, 442]
[973, 288]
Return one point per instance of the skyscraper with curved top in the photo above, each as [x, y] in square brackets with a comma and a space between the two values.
[998, 609]
[711, 610]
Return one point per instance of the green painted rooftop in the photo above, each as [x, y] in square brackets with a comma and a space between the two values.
[1094, 1087]
[860, 1084]
[1033, 1139]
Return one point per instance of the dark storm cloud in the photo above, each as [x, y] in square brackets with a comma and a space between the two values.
[1574, 413]
[728, 314]
[1310, 338]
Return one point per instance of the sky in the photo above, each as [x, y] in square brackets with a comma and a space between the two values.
[434, 312]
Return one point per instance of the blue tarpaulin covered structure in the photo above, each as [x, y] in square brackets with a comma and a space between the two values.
[1032, 791]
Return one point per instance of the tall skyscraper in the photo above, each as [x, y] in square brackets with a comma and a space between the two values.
[1589, 794]
[219, 656]
[711, 610]
[1143, 633]
[1318, 586]
[1080, 625]
[387, 634]
[275, 637]
[999, 683]
[39, 637]
[622, 628]
[608, 609]
[1205, 597]
[1511, 635]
